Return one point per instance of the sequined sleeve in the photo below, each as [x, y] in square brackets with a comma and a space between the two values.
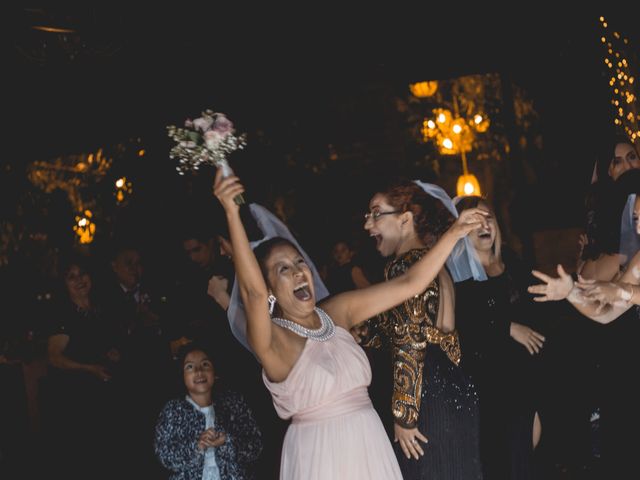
[371, 333]
[408, 346]
[412, 328]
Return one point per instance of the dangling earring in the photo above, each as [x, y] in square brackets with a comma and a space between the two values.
[272, 303]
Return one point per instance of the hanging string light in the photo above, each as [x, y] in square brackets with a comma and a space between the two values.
[621, 81]
[123, 188]
[454, 135]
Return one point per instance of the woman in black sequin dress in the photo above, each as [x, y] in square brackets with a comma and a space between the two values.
[434, 404]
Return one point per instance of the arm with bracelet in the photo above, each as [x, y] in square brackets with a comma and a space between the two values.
[603, 302]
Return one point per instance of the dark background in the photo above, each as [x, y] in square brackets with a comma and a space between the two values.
[300, 87]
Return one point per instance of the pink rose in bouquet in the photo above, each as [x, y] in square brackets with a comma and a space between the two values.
[205, 140]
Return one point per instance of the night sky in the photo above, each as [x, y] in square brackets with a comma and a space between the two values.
[301, 84]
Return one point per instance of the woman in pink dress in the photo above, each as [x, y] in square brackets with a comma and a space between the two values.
[314, 369]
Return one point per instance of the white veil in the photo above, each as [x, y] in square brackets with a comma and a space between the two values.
[629, 238]
[463, 262]
[270, 226]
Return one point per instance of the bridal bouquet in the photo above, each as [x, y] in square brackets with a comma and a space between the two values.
[206, 140]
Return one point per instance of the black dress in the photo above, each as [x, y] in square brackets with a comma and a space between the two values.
[430, 392]
[620, 414]
[502, 369]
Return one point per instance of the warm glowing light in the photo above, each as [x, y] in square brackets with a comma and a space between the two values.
[85, 229]
[468, 188]
[141, 152]
[442, 118]
[45, 28]
[477, 119]
[424, 89]
[447, 143]
[123, 188]
[457, 128]
[468, 185]
[431, 124]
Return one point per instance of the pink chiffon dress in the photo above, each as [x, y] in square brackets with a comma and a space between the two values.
[334, 433]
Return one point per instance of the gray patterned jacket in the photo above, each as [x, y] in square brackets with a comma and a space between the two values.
[179, 426]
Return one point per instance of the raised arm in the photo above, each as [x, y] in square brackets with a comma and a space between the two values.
[253, 289]
[350, 308]
[589, 298]
[616, 297]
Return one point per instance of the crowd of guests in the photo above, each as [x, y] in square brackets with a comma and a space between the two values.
[434, 372]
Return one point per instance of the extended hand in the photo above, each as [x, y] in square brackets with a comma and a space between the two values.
[600, 292]
[409, 439]
[553, 288]
[469, 220]
[529, 338]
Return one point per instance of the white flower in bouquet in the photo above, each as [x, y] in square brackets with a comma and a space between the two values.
[206, 140]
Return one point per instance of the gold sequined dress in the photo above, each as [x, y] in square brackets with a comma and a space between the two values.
[430, 391]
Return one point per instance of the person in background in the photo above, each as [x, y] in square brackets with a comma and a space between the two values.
[344, 274]
[210, 433]
[494, 319]
[434, 403]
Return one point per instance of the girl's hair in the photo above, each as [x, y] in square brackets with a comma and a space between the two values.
[473, 201]
[430, 217]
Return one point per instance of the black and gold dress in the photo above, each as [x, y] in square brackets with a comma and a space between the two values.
[430, 391]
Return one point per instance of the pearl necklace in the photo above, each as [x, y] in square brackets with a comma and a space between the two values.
[325, 332]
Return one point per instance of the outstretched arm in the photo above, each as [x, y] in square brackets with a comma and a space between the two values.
[617, 297]
[367, 302]
[253, 288]
[564, 287]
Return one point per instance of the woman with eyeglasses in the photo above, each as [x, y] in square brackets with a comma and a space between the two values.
[314, 369]
[434, 404]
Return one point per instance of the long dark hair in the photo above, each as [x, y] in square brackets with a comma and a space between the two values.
[603, 221]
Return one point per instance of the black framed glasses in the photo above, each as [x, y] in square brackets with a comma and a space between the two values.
[377, 214]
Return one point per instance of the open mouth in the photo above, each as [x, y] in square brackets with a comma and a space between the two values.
[198, 381]
[378, 238]
[302, 292]
[484, 234]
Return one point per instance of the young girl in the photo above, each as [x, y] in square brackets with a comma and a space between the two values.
[206, 435]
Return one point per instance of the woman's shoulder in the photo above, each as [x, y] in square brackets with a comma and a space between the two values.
[403, 262]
